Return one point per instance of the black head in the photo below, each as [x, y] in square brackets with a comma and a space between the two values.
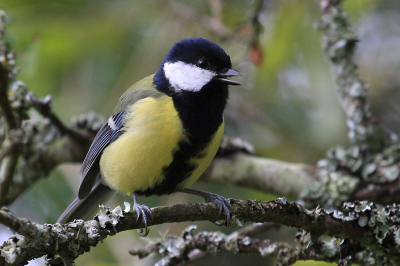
[192, 64]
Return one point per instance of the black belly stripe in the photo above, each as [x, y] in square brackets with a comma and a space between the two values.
[201, 116]
[180, 168]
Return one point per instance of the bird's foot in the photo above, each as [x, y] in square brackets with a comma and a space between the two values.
[141, 210]
[223, 205]
[221, 202]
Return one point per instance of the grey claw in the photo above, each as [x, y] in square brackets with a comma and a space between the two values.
[224, 206]
[146, 208]
[141, 211]
[221, 202]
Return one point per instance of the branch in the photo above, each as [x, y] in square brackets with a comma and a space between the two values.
[339, 43]
[45, 149]
[43, 106]
[189, 247]
[363, 224]
[5, 68]
[35, 137]
[256, 52]
[46, 143]
[262, 174]
[212, 24]
[11, 144]
[369, 168]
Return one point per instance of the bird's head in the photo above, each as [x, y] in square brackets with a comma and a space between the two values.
[193, 63]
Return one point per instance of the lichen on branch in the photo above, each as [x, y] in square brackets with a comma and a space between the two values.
[362, 223]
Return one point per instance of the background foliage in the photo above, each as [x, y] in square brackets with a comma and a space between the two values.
[86, 53]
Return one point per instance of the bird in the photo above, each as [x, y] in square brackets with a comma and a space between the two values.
[163, 134]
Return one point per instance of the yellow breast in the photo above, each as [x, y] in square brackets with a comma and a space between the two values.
[136, 159]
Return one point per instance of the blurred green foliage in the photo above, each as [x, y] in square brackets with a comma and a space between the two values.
[85, 54]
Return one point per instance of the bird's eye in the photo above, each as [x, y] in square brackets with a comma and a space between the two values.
[202, 63]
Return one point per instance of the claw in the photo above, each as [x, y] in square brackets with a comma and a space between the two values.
[141, 210]
[223, 205]
[220, 211]
[221, 202]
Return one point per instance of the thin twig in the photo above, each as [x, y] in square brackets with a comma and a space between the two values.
[339, 45]
[263, 174]
[249, 231]
[212, 24]
[5, 106]
[7, 170]
[256, 51]
[9, 162]
[44, 108]
[8, 150]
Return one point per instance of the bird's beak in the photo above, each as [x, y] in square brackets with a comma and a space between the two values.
[222, 77]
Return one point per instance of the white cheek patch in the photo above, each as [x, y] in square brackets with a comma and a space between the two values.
[188, 77]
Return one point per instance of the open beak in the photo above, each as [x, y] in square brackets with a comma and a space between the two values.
[222, 77]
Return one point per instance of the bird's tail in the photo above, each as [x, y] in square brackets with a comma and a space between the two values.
[86, 208]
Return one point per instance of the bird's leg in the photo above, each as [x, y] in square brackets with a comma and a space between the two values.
[218, 200]
[141, 210]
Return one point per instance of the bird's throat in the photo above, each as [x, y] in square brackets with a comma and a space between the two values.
[201, 112]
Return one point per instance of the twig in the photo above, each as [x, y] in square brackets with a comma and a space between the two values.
[256, 52]
[339, 43]
[44, 108]
[212, 24]
[6, 174]
[387, 193]
[8, 162]
[7, 151]
[5, 106]
[188, 248]
[234, 239]
[46, 149]
[262, 174]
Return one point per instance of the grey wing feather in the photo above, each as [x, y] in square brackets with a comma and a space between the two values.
[109, 132]
[85, 209]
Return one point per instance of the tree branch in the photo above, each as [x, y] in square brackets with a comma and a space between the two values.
[369, 168]
[45, 149]
[10, 144]
[43, 106]
[177, 251]
[190, 247]
[339, 43]
[263, 174]
[5, 67]
[363, 224]
[212, 24]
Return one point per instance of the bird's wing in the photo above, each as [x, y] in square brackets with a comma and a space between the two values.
[110, 131]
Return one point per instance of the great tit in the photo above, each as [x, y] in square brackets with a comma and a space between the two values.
[163, 134]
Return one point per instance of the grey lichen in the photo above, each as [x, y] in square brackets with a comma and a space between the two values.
[383, 224]
[346, 170]
[44, 146]
[107, 217]
[266, 251]
[11, 251]
[174, 250]
[88, 121]
[331, 190]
